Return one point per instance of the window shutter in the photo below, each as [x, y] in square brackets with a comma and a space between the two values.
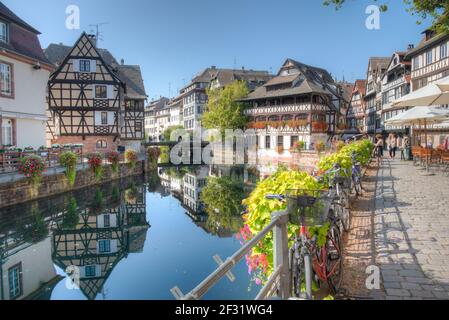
[76, 65]
[93, 66]
[113, 221]
[97, 118]
[111, 118]
[114, 246]
[110, 90]
[100, 221]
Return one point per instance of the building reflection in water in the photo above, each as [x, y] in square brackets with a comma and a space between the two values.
[91, 230]
[187, 183]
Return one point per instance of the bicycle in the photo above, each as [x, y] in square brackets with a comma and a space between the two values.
[356, 175]
[338, 183]
[307, 259]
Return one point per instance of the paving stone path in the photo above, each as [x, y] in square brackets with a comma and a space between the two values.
[401, 225]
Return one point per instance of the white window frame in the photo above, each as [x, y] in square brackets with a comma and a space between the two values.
[443, 49]
[7, 133]
[6, 70]
[429, 54]
[82, 62]
[4, 32]
[95, 92]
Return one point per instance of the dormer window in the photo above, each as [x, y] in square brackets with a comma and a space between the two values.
[4, 32]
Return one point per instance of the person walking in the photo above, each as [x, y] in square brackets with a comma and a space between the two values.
[404, 149]
[379, 149]
[392, 146]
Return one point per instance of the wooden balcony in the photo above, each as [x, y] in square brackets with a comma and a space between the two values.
[286, 109]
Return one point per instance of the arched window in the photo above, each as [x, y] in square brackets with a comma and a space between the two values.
[102, 144]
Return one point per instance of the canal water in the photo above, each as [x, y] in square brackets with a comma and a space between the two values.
[132, 239]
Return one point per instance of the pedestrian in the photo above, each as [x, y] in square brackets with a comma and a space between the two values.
[404, 149]
[392, 146]
[379, 149]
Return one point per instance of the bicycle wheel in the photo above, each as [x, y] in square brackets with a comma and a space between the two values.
[343, 217]
[308, 276]
[334, 259]
[297, 271]
[357, 186]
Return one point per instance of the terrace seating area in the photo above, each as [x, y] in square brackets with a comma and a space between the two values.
[427, 157]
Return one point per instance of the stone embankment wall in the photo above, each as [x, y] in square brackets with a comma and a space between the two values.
[23, 190]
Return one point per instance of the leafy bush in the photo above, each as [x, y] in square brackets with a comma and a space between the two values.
[68, 160]
[131, 158]
[362, 149]
[259, 214]
[32, 167]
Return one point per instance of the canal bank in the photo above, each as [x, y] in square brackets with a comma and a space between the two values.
[21, 189]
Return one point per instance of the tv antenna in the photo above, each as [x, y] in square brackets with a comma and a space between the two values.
[96, 28]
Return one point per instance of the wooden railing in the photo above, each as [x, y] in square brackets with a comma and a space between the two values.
[10, 160]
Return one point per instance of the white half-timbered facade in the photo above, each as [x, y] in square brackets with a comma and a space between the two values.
[301, 103]
[395, 84]
[93, 100]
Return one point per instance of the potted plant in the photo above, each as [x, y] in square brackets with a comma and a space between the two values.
[320, 146]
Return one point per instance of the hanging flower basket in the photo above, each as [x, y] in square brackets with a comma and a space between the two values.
[32, 167]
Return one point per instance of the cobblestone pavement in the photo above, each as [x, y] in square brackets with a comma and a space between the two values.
[402, 226]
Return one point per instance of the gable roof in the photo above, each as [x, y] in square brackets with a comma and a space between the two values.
[8, 15]
[226, 76]
[309, 80]
[378, 63]
[425, 44]
[23, 39]
[131, 75]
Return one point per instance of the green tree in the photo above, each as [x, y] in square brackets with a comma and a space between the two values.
[437, 10]
[223, 196]
[224, 111]
[167, 133]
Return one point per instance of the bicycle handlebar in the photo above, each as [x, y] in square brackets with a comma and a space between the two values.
[279, 197]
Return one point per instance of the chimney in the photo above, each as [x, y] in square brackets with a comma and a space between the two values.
[213, 67]
[243, 68]
[411, 46]
[93, 39]
[122, 61]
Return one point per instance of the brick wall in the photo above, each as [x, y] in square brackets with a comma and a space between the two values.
[90, 143]
[22, 191]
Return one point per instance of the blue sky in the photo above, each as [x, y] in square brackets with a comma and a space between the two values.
[172, 40]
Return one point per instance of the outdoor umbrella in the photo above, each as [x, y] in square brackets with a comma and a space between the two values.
[433, 94]
[443, 84]
[421, 115]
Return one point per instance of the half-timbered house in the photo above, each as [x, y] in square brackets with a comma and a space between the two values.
[94, 100]
[108, 229]
[24, 72]
[300, 104]
[395, 84]
[373, 97]
[355, 117]
[429, 63]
